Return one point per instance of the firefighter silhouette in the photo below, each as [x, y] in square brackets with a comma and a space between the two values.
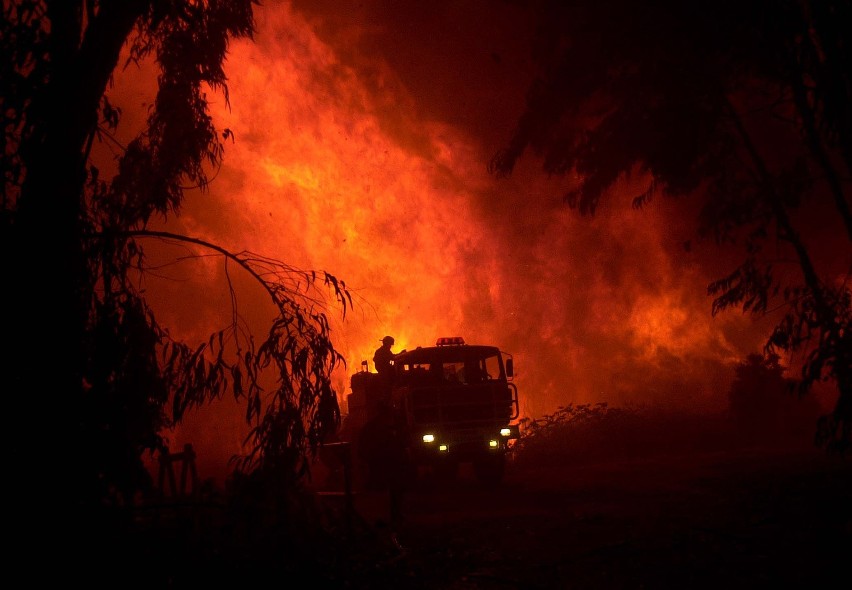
[383, 359]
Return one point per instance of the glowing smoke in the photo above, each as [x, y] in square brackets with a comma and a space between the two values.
[341, 167]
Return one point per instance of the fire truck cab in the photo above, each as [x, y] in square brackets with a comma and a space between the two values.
[450, 403]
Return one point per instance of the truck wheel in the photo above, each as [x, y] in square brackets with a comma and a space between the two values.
[490, 470]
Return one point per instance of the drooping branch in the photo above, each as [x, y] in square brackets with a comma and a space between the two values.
[787, 232]
[249, 261]
[301, 407]
[806, 112]
[822, 308]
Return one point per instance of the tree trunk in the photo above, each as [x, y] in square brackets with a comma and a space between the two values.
[47, 270]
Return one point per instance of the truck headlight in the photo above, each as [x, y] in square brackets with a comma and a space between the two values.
[428, 438]
[510, 431]
[492, 443]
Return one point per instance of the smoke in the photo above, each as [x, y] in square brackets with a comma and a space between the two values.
[361, 143]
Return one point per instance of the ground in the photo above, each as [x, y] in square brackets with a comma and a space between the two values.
[661, 516]
[750, 518]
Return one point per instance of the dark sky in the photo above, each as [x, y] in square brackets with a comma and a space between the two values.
[466, 63]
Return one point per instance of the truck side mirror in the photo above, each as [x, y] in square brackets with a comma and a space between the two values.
[510, 368]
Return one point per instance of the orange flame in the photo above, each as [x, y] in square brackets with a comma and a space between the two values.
[333, 171]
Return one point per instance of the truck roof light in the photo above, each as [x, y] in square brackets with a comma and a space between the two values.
[450, 341]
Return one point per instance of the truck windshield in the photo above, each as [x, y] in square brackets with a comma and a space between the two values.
[453, 367]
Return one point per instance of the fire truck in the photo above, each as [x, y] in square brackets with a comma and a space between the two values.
[444, 405]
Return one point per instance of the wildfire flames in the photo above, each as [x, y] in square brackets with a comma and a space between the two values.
[340, 164]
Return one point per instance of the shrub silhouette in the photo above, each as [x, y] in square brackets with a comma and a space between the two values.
[581, 433]
[763, 405]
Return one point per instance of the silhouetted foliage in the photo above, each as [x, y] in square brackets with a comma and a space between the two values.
[587, 433]
[747, 105]
[93, 379]
[764, 405]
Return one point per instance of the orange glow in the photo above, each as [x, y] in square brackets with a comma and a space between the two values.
[332, 171]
